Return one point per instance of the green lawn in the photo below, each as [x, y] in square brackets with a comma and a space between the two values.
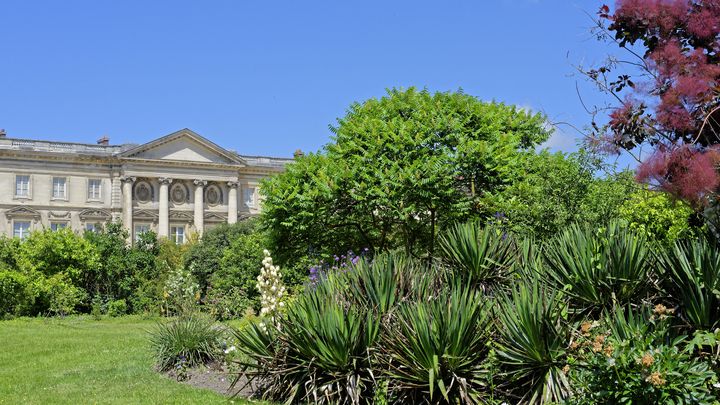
[82, 361]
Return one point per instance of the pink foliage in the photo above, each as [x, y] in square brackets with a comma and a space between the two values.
[685, 77]
[683, 171]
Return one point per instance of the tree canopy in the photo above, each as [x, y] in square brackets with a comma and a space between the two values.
[399, 168]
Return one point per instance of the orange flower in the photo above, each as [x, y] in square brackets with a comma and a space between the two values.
[600, 339]
[566, 369]
[647, 360]
[609, 350]
[585, 327]
[596, 347]
[660, 309]
[656, 379]
[574, 345]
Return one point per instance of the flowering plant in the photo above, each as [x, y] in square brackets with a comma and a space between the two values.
[339, 264]
[181, 291]
[631, 358]
[272, 291]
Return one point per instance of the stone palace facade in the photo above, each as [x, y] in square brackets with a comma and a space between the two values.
[175, 185]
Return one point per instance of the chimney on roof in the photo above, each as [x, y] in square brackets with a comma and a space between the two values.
[104, 141]
[3, 134]
[298, 153]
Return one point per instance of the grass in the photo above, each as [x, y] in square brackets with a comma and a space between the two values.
[79, 360]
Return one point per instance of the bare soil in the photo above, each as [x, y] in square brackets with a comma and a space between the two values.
[217, 378]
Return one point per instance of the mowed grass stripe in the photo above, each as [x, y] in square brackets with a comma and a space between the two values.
[78, 360]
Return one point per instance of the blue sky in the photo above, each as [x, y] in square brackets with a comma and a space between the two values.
[268, 77]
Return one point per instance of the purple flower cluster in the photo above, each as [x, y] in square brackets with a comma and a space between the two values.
[342, 264]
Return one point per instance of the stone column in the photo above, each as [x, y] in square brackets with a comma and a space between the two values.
[200, 206]
[232, 201]
[163, 222]
[127, 207]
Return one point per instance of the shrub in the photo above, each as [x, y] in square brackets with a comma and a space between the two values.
[635, 360]
[238, 268]
[224, 305]
[60, 252]
[434, 349]
[117, 308]
[599, 268]
[205, 258]
[58, 295]
[531, 344]
[190, 341]
[16, 294]
[181, 292]
[658, 217]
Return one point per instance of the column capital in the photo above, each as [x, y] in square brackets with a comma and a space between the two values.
[233, 184]
[200, 183]
[128, 179]
[165, 180]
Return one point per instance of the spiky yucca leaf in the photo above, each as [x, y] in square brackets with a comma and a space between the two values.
[318, 354]
[433, 350]
[192, 340]
[599, 268]
[691, 272]
[482, 255]
[531, 345]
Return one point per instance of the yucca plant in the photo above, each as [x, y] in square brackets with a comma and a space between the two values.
[375, 283]
[433, 350]
[599, 268]
[691, 273]
[531, 345]
[483, 256]
[320, 353]
[192, 340]
[386, 280]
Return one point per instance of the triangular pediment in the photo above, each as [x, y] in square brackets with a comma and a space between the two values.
[22, 212]
[94, 214]
[185, 146]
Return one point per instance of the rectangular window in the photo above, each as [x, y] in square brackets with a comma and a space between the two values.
[94, 189]
[22, 186]
[58, 225]
[92, 227]
[141, 229]
[21, 229]
[177, 234]
[59, 188]
[249, 196]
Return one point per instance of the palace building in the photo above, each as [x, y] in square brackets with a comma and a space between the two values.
[179, 184]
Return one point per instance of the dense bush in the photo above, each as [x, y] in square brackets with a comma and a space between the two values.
[204, 258]
[117, 308]
[16, 293]
[655, 215]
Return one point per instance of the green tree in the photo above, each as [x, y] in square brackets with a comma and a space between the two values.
[555, 190]
[400, 168]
